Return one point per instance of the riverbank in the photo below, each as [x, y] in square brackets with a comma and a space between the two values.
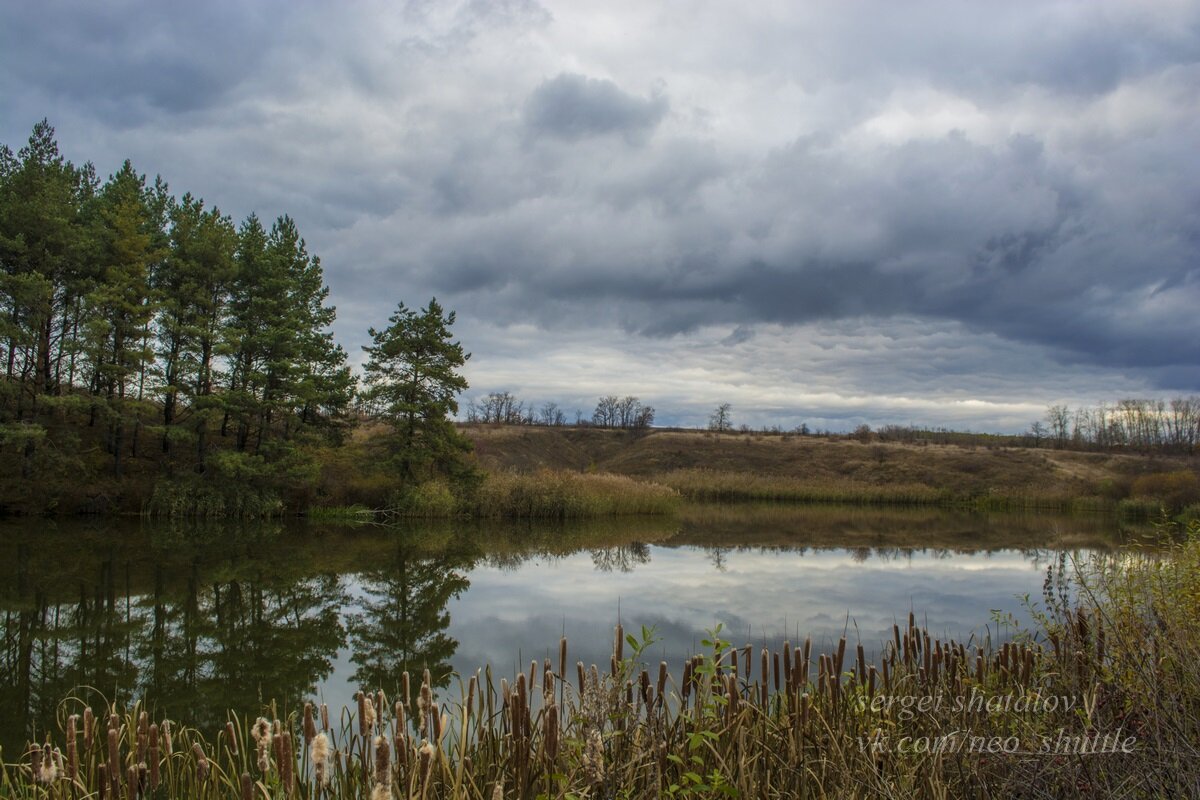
[566, 472]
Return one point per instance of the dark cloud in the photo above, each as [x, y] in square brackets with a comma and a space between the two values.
[994, 205]
[572, 106]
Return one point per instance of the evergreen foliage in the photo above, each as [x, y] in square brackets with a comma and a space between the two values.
[126, 313]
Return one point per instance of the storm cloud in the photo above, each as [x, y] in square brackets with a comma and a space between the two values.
[926, 212]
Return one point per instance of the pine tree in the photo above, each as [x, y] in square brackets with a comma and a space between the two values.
[413, 378]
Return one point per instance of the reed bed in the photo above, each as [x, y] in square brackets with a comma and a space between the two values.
[1103, 699]
[550, 494]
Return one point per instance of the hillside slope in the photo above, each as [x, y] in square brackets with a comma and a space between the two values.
[813, 459]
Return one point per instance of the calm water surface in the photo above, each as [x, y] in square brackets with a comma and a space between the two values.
[198, 619]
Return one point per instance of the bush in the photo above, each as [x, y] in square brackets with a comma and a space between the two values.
[1175, 489]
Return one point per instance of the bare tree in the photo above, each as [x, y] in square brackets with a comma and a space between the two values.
[1059, 420]
[551, 414]
[606, 413]
[719, 420]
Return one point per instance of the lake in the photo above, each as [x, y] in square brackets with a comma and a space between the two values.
[195, 619]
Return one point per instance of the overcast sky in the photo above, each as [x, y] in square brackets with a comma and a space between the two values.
[940, 213]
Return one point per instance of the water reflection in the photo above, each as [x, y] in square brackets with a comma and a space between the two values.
[197, 620]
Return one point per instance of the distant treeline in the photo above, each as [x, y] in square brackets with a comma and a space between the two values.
[1132, 425]
[502, 408]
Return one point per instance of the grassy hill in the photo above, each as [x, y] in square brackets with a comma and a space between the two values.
[726, 466]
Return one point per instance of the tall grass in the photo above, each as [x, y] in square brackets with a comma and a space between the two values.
[564, 495]
[1114, 656]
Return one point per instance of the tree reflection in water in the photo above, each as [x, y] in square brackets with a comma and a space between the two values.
[403, 619]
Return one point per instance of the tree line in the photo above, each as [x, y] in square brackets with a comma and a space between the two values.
[138, 309]
[503, 408]
[1139, 424]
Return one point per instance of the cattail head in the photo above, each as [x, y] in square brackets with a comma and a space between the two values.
[168, 745]
[153, 757]
[310, 724]
[562, 658]
[247, 786]
[319, 755]
[263, 738]
[35, 761]
[383, 765]
[231, 735]
[550, 731]
[114, 752]
[72, 750]
[89, 728]
[201, 763]
[324, 717]
[426, 758]
[51, 767]
[287, 763]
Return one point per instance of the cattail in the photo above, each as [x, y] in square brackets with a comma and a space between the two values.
[319, 754]
[550, 732]
[310, 724]
[287, 762]
[362, 713]
[153, 756]
[324, 717]
[381, 703]
[261, 733]
[132, 782]
[72, 749]
[404, 687]
[686, 688]
[102, 780]
[661, 686]
[426, 761]
[580, 673]
[472, 687]
[168, 745]
[618, 644]
[247, 786]
[277, 743]
[201, 763]
[383, 766]
[231, 735]
[840, 660]
[562, 658]
[439, 724]
[114, 756]
[89, 729]
[35, 760]
[52, 766]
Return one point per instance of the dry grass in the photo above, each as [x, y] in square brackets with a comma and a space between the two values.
[1114, 656]
[563, 495]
